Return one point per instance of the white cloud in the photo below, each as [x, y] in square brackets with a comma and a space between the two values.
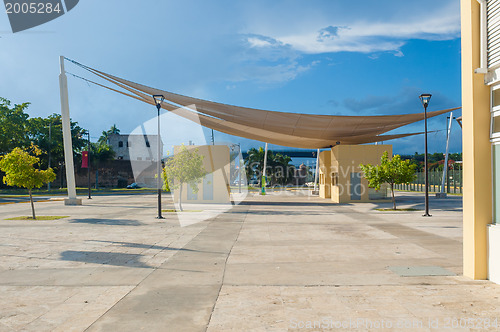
[398, 53]
[268, 61]
[274, 47]
[258, 42]
[365, 33]
[273, 73]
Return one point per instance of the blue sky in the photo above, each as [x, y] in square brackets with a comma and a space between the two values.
[321, 57]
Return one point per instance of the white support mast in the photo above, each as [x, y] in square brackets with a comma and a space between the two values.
[316, 174]
[68, 146]
[445, 165]
[264, 178]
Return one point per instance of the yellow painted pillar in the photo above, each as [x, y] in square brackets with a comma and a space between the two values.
[477, 183]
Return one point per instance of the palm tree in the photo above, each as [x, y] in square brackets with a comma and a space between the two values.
[254, 162]
[104, 138]
[279, 169]
[105, 134]
[101, 152]
[113, 130]
[283, 171]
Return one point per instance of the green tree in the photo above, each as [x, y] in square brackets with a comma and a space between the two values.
[254, 162]
[281, 170]
[435, 160]
[278, 165]
[186, 166]
[101, 152]
[456, 156]
[391, 171]
[13, 126]
[20, 171]
[38, 132]
[17, 129]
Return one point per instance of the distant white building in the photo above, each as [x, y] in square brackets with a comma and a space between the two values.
[135, 147]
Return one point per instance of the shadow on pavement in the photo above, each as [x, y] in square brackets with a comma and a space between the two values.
[12, 200]
[403, 200]
[105, 258]
[112, 222]
[284, 213]
[451, 203]
[291, 203]
[143, 246]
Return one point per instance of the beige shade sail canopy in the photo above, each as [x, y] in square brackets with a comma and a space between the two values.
[281, 128]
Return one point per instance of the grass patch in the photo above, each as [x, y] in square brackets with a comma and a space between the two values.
[387, 209]
[173, 210]
[38, 218]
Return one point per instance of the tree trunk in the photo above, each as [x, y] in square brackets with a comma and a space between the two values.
[32, 205]
[393, 198]
[180, 197]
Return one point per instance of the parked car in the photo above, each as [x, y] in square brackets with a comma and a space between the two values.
[133, 186]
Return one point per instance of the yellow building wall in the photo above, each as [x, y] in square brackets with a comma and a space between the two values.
[324, 174]
[334, 179]
[345, 159]
[216, 162]
[477, 182]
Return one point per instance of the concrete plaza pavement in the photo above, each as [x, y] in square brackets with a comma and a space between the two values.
[278, 262]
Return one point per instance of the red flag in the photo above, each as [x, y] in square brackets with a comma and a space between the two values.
[85, 159]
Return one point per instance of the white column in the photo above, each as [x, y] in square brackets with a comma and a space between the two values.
[316, 173]
[68, 147]
[264, 180]
[445, 165]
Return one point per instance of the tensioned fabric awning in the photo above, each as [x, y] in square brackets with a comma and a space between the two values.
[281, 128]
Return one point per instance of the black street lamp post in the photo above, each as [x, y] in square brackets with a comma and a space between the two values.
[239, 168]
[158, 100]
[80, 135]
[50, 149]
[88, 161]
[425, 98]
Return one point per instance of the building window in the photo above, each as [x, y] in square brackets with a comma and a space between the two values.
[139, 158]
[495, 112]
[495, 125]
[148, 158]
[208, 187]
[191, 195]
[147, 144]
[335, 179]
[495, 98]
[120, 144]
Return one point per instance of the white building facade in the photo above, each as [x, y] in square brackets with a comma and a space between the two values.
[135, 147]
